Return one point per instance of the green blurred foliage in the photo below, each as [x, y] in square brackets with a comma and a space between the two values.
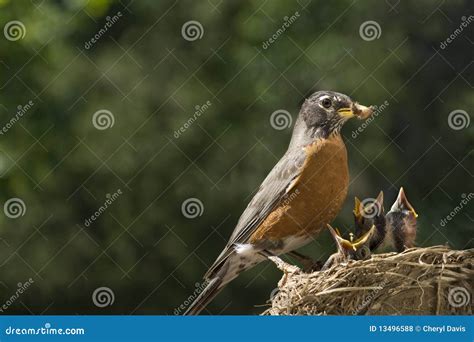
[151, 79]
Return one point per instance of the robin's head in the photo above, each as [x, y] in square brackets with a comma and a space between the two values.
[326, 111]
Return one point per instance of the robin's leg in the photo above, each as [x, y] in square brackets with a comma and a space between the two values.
[309, 265]
[283, 266]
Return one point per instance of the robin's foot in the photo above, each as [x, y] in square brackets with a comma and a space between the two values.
[284, 266]
[309, 265]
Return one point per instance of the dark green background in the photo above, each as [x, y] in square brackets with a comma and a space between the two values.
[151, 79]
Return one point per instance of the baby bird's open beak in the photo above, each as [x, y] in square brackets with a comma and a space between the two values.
[402, 203]
[364, 238]
[342, 244]
[358, 210]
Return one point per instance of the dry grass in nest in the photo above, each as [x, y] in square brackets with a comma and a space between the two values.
[419, 281]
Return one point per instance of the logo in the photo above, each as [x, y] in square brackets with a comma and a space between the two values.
[14, 208]
[14, 30]
[458, 297]
[102, 297]
[192, 208]
[192, 30]
[103, 119]
[281, 119]
[370, 30]
[369, 208]
[458, 119]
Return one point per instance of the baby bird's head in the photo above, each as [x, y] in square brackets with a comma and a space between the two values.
[352, 249]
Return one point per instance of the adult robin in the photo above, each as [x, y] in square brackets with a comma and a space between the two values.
[301, 195]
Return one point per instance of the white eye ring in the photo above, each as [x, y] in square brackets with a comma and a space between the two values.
[326, 102]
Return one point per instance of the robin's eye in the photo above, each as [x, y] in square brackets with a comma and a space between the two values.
[326, 103]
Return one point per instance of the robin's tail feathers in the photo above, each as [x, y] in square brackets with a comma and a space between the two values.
[212, 288]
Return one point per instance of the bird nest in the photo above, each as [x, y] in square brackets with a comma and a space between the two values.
[418, 281]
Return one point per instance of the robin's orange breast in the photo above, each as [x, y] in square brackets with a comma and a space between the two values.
[315, 198]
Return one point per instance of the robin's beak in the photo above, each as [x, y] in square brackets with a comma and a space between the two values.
[402, 202]
[357, 209]
[342, 244]
[334, 233]
[363, 239]
[379, 202]
[357, 110]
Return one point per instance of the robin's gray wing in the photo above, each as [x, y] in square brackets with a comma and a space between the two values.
[272, 191]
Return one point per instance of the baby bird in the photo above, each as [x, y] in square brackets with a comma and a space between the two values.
[396, 230]
[376, 231]
[401, 223]
[362, 223]
[348, 249]
[368, 215]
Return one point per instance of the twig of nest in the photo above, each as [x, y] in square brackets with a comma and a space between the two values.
[419, 281]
